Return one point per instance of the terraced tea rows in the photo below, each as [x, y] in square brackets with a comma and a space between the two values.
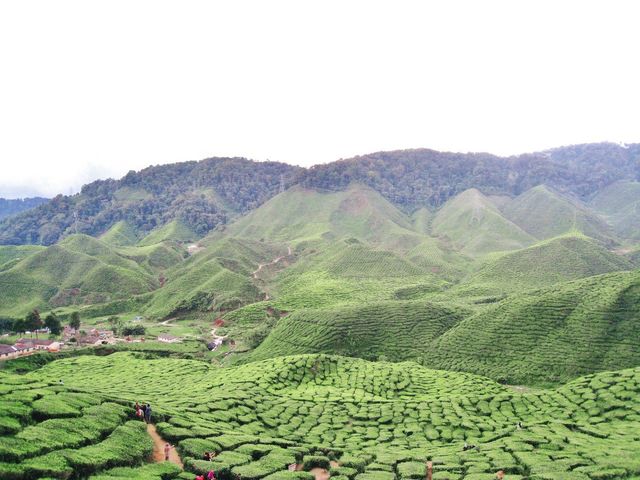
[391, 330]
[48, 430]
[569, 330]
[373, 420]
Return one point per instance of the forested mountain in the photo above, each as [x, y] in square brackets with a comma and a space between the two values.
[199, 194]
[10, 207]
[202, 195]
[414, 178]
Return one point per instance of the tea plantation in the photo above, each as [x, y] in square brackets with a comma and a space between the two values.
[360, 420]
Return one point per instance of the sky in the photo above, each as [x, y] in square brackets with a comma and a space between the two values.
[94, 89]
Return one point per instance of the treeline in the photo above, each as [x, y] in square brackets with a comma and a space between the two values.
[10, 207]
[201, 194]
[204, 194]
[414, 178]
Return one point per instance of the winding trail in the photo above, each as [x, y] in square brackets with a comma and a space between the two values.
[217, 339]
[273, 262]
[158, 447]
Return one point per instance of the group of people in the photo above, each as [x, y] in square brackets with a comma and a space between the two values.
[210, 476]
[143, 411]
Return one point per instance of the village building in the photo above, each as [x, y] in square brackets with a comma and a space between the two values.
[38, 344]
[165, 337]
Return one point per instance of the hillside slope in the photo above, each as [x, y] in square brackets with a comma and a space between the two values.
[212, 192]
[620, 204]
[475, 226]
[551, 334]
[552, 261]
[217, 278]
[79, 270]
[201, 194]
[392, 330]
[545, 214]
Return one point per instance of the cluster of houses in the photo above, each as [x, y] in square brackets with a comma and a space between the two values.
[25, 346]
[90, 338]
[70, 336]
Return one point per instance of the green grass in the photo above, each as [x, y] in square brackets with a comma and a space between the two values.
[474, 226]
[560, 259]
[78, 270]
[175, 231]
[546, 214]
[620, 204]
[11, 254]
[219, 278]
[120, 234]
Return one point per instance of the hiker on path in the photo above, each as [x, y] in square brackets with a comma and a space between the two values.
[500, 475]
[429, 470]
[200, 477]
[167, 450]
[147, 413]
[206, 457]
[211, 475]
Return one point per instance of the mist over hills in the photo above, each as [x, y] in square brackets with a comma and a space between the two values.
[203, 195]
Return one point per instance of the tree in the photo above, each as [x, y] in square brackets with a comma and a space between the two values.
[116, 324]
[33, 321]
[19, 325]
[74, 322]
[52, 322]
[6, 324]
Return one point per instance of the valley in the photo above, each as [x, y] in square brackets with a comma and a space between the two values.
[343, 331]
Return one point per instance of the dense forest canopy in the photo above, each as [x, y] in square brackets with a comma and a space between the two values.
[10, 207]
[415, 178]
[208, 193]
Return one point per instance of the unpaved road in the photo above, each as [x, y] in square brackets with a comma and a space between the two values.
[273, 262]
[158, 447]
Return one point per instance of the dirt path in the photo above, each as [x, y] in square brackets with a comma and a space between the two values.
[158, 447]
[273, 262]
[217, 339]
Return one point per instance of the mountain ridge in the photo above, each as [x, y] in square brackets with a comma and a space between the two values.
[210, 193]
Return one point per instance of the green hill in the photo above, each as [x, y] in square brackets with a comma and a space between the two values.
[219, 278]
[79, 270]
[347, 272]
[552, 261]
[9, 254]
[299, 215]
[551, 334]
[120, 234]
[545, 214]
[620, 204]
[475, 226]
[209, 194]
[392, 330]
[173, 231]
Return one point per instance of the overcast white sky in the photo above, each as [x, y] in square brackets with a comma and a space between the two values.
[93, 89]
